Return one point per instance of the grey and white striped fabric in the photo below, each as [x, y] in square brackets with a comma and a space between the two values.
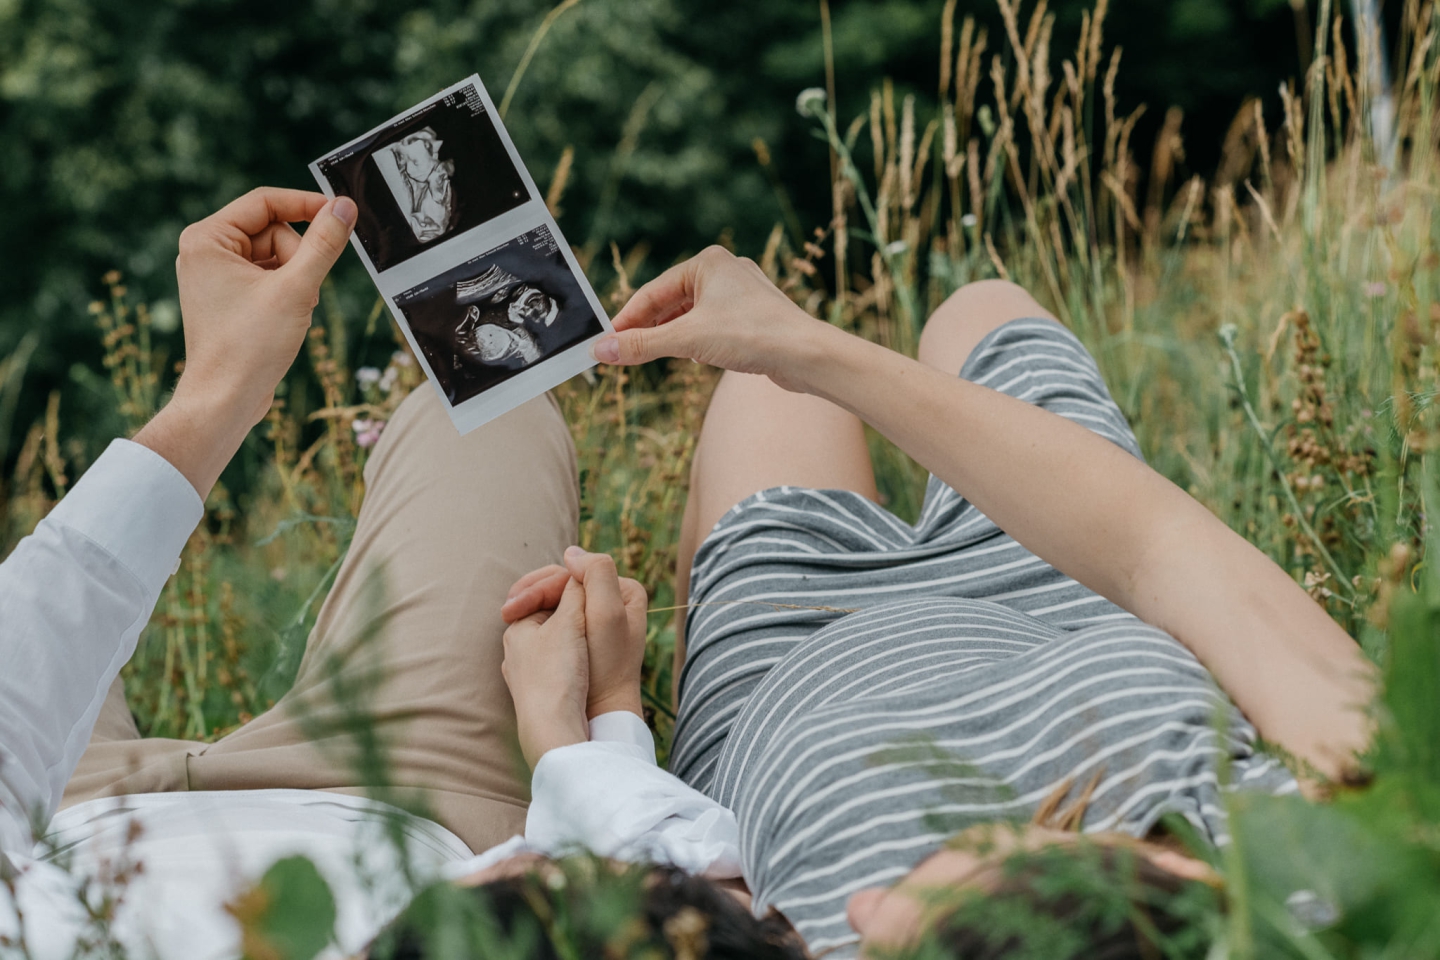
[971, 681]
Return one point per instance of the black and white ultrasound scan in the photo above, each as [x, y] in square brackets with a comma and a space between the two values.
[470, 262]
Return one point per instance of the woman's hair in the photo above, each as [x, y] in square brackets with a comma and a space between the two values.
[1093, 901]
[586, 908]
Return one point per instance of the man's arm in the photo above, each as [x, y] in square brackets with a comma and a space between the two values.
[248, 284]
[75, 595]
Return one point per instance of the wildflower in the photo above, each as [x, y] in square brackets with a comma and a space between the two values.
[387, 382]
[367, 377]
[1315, 585]
[969, 220]
[1376, 289]
[367, 432]
[401, 359]
[811, 101]
[1310, 912]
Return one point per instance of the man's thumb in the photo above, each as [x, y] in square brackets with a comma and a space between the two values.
[641, 345]
[324, 241]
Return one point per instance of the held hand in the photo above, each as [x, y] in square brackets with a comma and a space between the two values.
[718, 309]
[615, 609]
[546, 667]
[248, 283]
[614, 623]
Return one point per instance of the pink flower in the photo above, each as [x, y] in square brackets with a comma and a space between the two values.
[1376, 290]
[367, 432]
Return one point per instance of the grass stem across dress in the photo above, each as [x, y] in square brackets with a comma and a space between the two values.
[972, 680]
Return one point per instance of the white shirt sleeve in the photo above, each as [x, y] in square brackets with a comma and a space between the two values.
[74, 597]
[609, 796]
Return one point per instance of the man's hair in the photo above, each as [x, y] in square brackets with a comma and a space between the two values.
[1092, 901]
[586, 908]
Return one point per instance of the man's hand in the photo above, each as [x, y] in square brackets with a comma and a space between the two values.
[547, 669]
[615, 609]
[248, 284]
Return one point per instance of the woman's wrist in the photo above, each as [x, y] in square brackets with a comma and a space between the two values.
[822, 360]
[543, 730]
[628, 701]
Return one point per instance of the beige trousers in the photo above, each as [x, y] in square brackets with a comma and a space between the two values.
[448, 524]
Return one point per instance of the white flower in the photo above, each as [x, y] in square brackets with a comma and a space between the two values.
[387, 382]
[401, 359]
[367, 377]
[969, 220]
[811, 101]
[367, 432]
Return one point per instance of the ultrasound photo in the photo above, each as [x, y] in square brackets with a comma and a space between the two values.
[497, 314]
[431, 174]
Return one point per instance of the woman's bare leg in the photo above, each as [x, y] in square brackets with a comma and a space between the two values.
[757, 436]
[967, 315]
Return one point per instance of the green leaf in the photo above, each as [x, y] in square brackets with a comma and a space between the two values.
[1410, 742]
[288, 915]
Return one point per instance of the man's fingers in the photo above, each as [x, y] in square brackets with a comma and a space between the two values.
[263, 206]
[541, 595]
[323, 243]
[536, 576]
[277, 242]
[662, 299]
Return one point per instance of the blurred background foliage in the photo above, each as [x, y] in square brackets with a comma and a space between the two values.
[123, 120]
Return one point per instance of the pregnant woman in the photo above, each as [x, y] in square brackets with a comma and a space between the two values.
[1048, 643]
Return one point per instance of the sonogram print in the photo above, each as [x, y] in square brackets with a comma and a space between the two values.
[421, 182]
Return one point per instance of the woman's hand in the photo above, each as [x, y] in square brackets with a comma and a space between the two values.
[614, 623]
[547, 668]
[719, 309]
[615, 609]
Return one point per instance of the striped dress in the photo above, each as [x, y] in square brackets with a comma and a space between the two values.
[954, 678]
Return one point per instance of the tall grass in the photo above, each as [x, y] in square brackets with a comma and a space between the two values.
[1271, 332]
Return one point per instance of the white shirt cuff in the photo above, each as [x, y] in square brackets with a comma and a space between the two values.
[137, 507]
[622, 726]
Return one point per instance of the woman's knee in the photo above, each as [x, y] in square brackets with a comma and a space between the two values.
[968, 315]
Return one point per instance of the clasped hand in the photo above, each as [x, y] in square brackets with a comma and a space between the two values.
[574, 649]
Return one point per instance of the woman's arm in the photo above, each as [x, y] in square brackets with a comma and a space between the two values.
[1069, 496]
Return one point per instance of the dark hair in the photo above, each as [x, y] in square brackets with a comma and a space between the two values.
[1091, 901]
[586, 908]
